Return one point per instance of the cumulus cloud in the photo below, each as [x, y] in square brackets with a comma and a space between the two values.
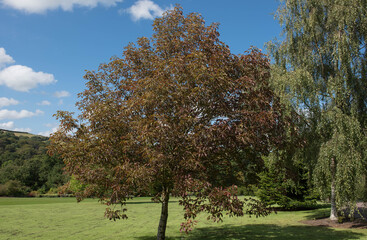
[23, 78]
[145, 9]
[48, 133]
[22, 130]
[12, 114]
[52, 128]
[7, 125]
[7, 102]
[10, 126]
[41, 6]
[44, 103]
[4, 58]
[61, 94]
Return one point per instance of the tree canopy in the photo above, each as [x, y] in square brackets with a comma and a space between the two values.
[320, 74]
[177, 115]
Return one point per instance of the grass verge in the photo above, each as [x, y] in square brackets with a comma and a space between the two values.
[63, 218]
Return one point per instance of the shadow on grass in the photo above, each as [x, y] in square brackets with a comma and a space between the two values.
[145, 202]
[318, 213]
[264, 231]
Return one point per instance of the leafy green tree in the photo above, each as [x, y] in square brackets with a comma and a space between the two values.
[320, 74]
[176, 115]
[24, 160]
[13, 188]
[284, 185]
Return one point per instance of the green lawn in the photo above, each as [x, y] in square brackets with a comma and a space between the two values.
[63, 218]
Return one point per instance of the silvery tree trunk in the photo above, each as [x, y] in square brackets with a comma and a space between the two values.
[333, 211]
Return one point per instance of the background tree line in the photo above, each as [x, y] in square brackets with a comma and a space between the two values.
[26, 167]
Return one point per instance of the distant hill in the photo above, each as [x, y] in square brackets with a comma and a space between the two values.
[25, 165]
[18, 133]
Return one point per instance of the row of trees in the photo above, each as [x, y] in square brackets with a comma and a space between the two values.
[180, 115]
[25, 166]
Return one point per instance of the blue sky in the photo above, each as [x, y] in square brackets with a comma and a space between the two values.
[46, 46]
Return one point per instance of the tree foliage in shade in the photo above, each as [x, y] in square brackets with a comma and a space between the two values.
[177, 115]
[320, 73]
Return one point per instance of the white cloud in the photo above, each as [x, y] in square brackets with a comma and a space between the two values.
[53, 128]
[7, 102]
[44, 103]
[22, 130]
[7, 125]
[12, 114]
[41, 6]
[48, 133]
[4, 58]
[22, 78]
[10, 126]
[61, 94]
[145, 9]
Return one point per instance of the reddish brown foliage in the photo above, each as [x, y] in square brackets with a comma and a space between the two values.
[177, 114]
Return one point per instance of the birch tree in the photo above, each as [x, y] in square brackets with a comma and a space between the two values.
[320, 73]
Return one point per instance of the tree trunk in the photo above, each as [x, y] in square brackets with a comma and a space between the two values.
[164, 215]
[333, 211]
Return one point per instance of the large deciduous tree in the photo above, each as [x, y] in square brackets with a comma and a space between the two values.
[178, 115]
[320, 73]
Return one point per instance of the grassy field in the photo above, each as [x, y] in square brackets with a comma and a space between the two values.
[63, 218]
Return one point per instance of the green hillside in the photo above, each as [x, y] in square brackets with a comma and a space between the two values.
[25, 165]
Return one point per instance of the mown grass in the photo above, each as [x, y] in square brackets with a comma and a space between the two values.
[63, 218]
